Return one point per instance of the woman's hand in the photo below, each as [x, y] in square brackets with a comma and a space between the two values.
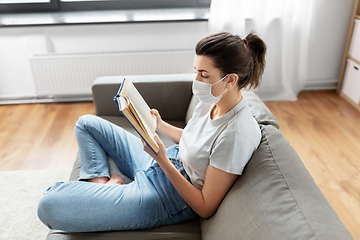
[161, 156]
[159, 121]
[169, 131]
[162, 150]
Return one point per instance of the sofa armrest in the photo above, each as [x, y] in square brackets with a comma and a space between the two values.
[168, 93]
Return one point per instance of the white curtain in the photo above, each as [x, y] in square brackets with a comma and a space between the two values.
[285, 26]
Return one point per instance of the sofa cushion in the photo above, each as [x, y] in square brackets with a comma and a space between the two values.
[258, 109]
[187, 230]
[275, 198]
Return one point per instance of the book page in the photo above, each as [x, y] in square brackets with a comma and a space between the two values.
[136, 116]
[142, 108]
[130, 112]
[123, 103]
[140, 121]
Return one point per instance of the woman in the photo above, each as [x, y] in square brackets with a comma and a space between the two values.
[188, 179]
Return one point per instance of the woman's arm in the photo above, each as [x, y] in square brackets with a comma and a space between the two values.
[204, 202]
[168, 130]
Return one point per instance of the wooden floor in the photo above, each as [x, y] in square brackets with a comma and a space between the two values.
[322, 127]
[39, 136]
[325, 131]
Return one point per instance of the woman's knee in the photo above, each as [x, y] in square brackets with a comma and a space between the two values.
[44, 211]
[48, 210]
[86, 120]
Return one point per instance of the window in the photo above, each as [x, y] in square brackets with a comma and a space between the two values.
[10, 6]
[15, 6]
[23, 1]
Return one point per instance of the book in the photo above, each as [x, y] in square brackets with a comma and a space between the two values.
[134, 108]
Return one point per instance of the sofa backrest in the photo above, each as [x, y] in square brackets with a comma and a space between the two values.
[170, 94]
[258, 109]
[276, 197]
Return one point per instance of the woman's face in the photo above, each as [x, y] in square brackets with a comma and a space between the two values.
[208, 73]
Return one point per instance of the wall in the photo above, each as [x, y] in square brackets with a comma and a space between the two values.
[332, 22]
[18, 44]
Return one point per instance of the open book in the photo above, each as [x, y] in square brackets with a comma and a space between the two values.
[137, 112]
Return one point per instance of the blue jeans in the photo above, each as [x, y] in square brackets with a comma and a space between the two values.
[149, 201]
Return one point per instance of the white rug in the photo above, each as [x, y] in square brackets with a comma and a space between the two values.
[20, 192]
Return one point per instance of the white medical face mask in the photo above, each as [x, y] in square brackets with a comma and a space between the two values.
[202, 91]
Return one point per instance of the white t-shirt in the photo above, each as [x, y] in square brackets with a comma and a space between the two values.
[226, 143]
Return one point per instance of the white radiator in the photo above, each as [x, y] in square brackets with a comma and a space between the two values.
[74, 74]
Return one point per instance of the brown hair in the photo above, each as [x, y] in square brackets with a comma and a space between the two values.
[231, 54]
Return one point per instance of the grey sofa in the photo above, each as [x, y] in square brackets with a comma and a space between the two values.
[275, 198]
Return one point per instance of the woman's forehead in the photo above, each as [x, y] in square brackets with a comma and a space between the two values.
[204, 64]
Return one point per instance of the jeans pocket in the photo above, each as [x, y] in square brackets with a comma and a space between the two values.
[173, 151]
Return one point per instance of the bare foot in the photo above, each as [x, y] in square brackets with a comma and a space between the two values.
[101, 180]
[116, 179]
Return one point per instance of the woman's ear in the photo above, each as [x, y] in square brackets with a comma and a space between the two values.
[233, 78]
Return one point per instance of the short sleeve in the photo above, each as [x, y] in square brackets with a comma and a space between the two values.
[231, 152]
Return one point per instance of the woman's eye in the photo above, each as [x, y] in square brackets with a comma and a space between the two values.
[201, 74]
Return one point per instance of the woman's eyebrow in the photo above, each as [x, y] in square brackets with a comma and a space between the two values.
[200, 70]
